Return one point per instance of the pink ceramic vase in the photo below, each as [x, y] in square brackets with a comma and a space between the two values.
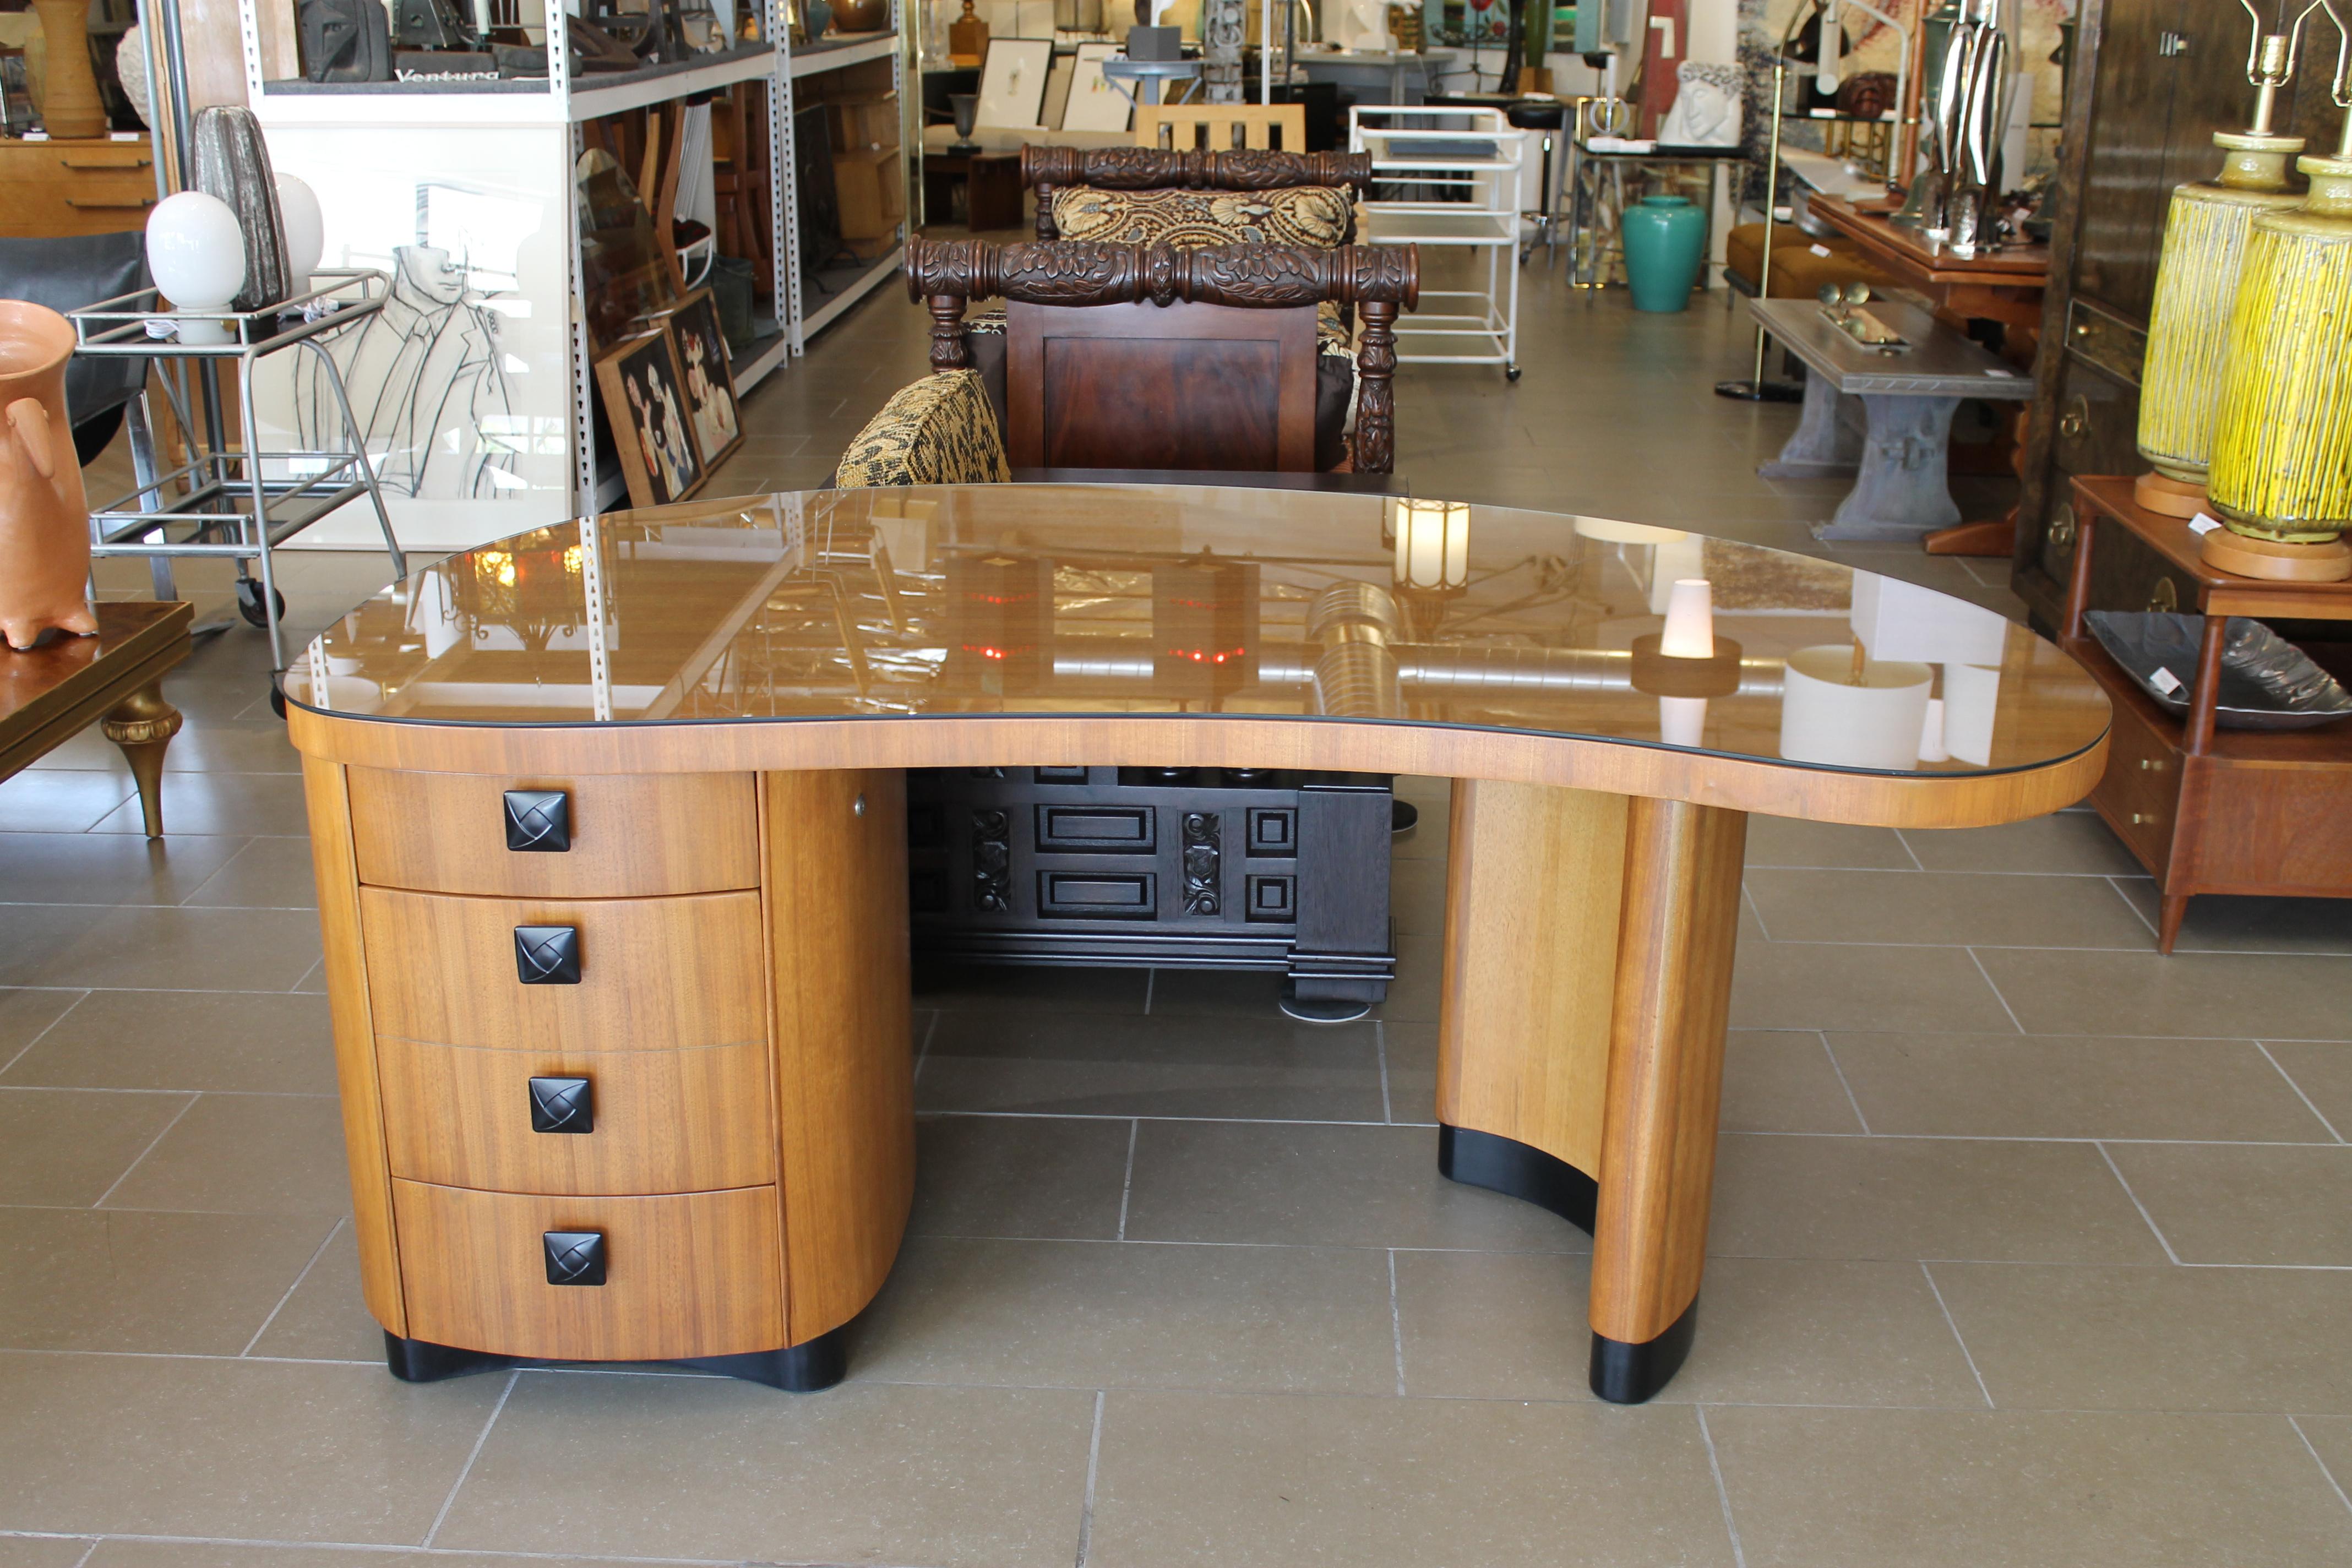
[44, 518]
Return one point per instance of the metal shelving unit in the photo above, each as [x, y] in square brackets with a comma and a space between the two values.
[1467, 181]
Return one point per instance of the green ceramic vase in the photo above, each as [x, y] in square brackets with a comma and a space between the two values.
[1665, 243]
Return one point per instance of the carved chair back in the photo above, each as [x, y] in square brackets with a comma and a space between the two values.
[1222, 127]
[1045, 170]
[1134, 356]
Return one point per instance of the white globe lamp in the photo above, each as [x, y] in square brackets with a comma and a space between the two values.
[195, 251]
[306, 231]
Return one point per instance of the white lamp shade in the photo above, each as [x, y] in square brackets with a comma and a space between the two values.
[1900, 620]
[1682, 720]
[195, 251]
[306, 229]
[1690, 620]
[1432, 544]
[1971, 699]
[1827, 720]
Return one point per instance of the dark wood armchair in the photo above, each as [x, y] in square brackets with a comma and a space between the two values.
[1045, 170]
[1151, 357]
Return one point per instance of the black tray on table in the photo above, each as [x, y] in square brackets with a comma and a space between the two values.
[2267, 682]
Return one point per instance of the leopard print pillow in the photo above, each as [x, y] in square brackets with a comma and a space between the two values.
[939, 431]
[1316, 216]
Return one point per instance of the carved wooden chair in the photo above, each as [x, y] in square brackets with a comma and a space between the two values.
[1222, 127]
[1151, 357]
[1060, 175]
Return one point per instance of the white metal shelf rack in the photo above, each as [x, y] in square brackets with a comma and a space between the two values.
[1460, 168]
[488, 168]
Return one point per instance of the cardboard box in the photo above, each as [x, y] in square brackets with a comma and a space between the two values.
[871, 188]
[863, 124]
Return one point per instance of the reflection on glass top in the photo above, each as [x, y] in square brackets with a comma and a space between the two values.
[1070, 600]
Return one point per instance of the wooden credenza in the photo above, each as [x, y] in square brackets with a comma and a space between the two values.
[597, 1107]
[68, 187]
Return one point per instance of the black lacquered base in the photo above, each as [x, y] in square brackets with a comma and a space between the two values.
[796, 1369]
[1515, 1169]
[1626, 1374]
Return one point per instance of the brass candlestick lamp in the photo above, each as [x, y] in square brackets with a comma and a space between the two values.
[2282, 473]
[2197, 280]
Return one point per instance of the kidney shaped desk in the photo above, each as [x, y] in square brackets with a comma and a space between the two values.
[611, 842]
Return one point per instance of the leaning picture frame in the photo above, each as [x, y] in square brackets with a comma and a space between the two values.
[711, 406]
[1013, 82]
[645, 404]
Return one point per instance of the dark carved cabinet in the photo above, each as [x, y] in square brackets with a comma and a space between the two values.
[2153, 81]
[1172, 867]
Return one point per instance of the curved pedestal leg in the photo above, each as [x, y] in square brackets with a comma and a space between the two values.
[1588, 970]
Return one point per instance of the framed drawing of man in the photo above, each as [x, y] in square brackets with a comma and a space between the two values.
[710, 385]
[644, 403]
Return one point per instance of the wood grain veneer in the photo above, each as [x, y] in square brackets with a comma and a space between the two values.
[836, 891]
[1531, 956]
[665, 1121]
[1775, 789]
[690, 1274]
[632, 835]
[654, 973]
[1674, 946]
[325, 794]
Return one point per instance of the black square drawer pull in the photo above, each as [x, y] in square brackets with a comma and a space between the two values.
[539, 820]
[547, 956]
[575, 1257]
[561, 1105]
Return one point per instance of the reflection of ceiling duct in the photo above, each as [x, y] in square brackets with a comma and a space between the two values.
[1433, 669]
[1355, 672]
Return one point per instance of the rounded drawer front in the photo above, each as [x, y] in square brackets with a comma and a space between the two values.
[617, 1122]
[608, 836]
[645, 1279]
[617, 975]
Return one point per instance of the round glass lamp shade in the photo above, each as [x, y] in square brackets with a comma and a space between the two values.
[195, 251]
[306, 231]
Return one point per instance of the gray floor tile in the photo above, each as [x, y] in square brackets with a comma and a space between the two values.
[2065, 841]
[245, 1154]
[56, 800]
[2208, 994]
[65, 1148]
[1821, 985]
[1092, 1314]
[325, 1318]
[1914, 1198]
[2245, 1203]
[238, 1449]
[27, 1015]
[1784, 841]
[867, 1474]
[112, 869]
[1273, 1184]
[1784, 1081]
[1112, 1064]
[2323, 1074]
[2087, 1338]
[1239, 1482]
[200, 1554]
[220, 803]
[193, 1284]
[43, 1551]
[255, 1042]
[1862, 1488]
[1948, 909]
[2216, 923]
[169, 949]
[1020, 1176]
[2082, 1086]
[267, 874]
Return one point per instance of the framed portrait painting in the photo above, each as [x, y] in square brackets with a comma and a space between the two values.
[710, 383]
[646, 403]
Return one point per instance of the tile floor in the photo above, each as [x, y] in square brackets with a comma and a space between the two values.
[2032, 1247]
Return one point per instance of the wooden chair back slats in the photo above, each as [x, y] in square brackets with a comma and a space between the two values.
[1222, 127]
[1086, 386]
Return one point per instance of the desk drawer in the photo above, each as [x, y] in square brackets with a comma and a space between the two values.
[691, 1274]
[651, 974]
[620, 1123]
[2140, 793]
[624, 834]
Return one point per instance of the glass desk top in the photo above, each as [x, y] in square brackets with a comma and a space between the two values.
[1061, 601]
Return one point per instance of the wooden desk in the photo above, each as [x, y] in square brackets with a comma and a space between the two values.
[50, 694]
[2003, 287]
[58, 188]
[716, 960]
[2206, 810]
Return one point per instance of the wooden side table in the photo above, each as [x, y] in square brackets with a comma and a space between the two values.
[50, 694]
[2206, 810]
[992, 183]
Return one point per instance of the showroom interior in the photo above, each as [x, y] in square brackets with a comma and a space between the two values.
[1070, 784]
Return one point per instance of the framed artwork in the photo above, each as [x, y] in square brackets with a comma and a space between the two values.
[644, 402]
[1013, 82]
[1095, 104]
[710, 385]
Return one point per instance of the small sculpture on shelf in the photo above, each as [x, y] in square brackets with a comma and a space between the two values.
[43, 517]
[1706, 112]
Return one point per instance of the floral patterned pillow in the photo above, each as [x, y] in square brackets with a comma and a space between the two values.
[937, 431]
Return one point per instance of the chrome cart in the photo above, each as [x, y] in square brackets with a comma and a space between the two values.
[231, 498]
